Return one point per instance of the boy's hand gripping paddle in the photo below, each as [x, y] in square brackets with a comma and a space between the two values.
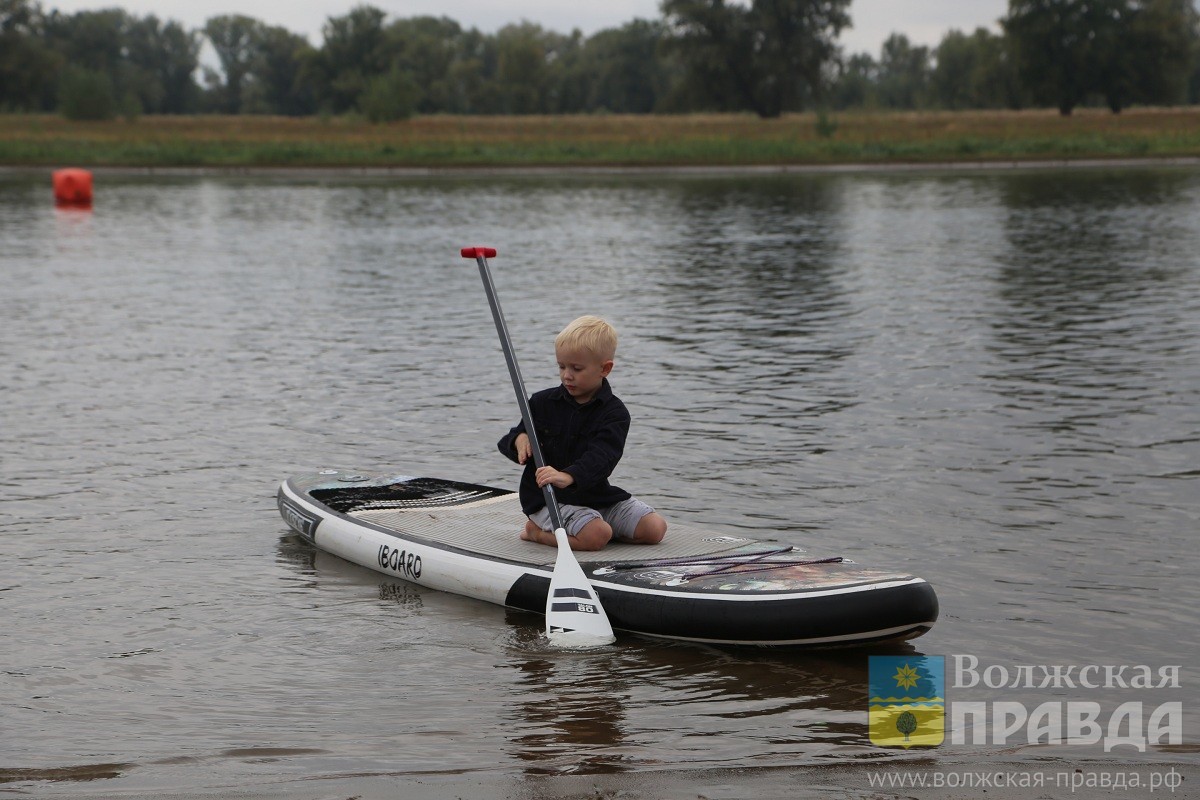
[574, 616]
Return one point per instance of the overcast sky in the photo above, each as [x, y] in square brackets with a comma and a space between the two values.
[923, 21]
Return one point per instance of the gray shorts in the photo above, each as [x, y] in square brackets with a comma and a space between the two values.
[622, 517]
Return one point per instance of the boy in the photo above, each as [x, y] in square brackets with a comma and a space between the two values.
[581, 426]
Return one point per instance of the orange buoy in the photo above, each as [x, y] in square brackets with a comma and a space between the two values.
[72, 187]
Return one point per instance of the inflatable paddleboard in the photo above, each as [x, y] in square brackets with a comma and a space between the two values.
[697, 585]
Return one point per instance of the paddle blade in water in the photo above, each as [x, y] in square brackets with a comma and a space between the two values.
[574, 616]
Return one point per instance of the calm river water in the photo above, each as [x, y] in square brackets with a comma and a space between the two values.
[987, 378]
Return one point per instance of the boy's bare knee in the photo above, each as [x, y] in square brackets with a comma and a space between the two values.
[650, 529]
[593, 536]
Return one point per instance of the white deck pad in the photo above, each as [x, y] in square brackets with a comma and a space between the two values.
[491, 528]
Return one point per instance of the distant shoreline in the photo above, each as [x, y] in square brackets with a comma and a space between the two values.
[692, 170]
[610, 144]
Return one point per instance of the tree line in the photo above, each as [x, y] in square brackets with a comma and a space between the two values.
[765, 56]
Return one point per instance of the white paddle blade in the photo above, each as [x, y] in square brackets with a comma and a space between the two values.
[574, 616]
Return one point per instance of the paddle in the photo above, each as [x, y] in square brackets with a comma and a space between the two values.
[574, 616]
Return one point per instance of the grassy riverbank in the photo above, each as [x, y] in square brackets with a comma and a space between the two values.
[600, 140]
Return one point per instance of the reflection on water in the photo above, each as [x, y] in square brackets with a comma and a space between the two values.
[83, 772]
[595, 713]
[571, 714]
[989, 379]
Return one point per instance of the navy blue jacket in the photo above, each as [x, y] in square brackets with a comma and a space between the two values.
[584, 440]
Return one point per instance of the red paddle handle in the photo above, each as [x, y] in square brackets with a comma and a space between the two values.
[476, 252]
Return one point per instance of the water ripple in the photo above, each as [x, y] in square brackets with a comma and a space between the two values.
[991, 380]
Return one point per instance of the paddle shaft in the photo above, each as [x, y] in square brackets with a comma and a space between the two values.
[514, 372]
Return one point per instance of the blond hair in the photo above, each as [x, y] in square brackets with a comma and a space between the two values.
[589, 333]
